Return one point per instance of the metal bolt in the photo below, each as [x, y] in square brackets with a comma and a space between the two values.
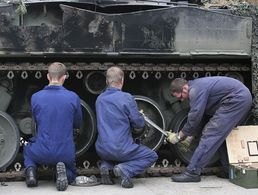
[158, 75]
[132, 75]
[195, 75]
[165, 162]
[17, 166]
[10, 75]
[177, 163]
[171, 75]
[145, 75]
[86, 164]
[24, 75]
[208, 74]
[38, 75]
[79, 74]
[183, 75]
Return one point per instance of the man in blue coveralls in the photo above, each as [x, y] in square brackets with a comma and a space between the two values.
[56, 111]
[117, 115]
[226, 100]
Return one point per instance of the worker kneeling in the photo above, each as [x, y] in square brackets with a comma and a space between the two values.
[117, 114]
[57, 111]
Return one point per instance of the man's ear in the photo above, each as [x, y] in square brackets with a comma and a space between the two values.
[63, 78]
[185, 88]
[48, 77]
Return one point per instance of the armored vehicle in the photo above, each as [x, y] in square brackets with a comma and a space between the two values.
[153, 41]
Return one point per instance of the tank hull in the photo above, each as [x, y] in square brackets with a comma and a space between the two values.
[153, 43]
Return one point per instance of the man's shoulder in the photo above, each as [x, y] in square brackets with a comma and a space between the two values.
[124, 94]
[72, 93]
[38, 93]
[65, 91]
[127, 94]
[117, 94]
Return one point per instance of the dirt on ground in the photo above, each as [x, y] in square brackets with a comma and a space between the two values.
[208, 3]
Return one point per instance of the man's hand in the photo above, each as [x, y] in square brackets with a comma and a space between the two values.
[141, 111]
[188, 141]
[172, 137]
[138, 131]
[185, 144]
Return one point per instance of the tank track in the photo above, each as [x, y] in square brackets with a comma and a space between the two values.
[156, 171]
[11, 69]
[129, 67]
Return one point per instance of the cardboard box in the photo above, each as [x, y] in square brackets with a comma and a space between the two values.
[242, 146]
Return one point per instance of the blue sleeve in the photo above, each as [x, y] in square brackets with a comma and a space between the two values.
[198, 100]
[135, 117]
[77, 114]
[33, 107]
[34, 120]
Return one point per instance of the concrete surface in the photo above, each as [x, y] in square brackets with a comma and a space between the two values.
[142, 186]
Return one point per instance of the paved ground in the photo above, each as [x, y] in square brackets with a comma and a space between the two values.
[210, 185]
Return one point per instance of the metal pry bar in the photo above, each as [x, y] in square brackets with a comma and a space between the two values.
[149, 121]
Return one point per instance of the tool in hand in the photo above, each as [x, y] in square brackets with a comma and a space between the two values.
[185, 146]
[149, 121]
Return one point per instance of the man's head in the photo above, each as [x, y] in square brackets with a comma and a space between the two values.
[115, 77]
[179, 88]
[57, 73]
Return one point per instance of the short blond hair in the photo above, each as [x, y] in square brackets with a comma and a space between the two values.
[56, 70]
[114, 75]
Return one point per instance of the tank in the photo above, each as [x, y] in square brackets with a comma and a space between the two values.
[152, 41]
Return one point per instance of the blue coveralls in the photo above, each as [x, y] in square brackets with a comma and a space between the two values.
[117, 114]
[56, 111]
[228, 101]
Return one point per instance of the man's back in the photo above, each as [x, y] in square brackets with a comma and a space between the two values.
[212, 92]
[56, 112]
[117, 113]
[54, 109]
[209, 94]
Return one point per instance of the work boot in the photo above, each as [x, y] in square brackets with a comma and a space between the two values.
[31, 177]
[125, 181]
[106, 179]
[186, 176]
[61, 177]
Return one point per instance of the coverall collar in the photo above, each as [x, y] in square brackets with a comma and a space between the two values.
[113, 89]
[53, 87]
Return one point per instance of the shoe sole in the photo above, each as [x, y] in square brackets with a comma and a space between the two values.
[118, 173]
[105, 177]
[31, 184]
[104, 171]
[31, 180]
[61, 179]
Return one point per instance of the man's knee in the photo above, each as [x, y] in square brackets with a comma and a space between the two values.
[154, 156]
